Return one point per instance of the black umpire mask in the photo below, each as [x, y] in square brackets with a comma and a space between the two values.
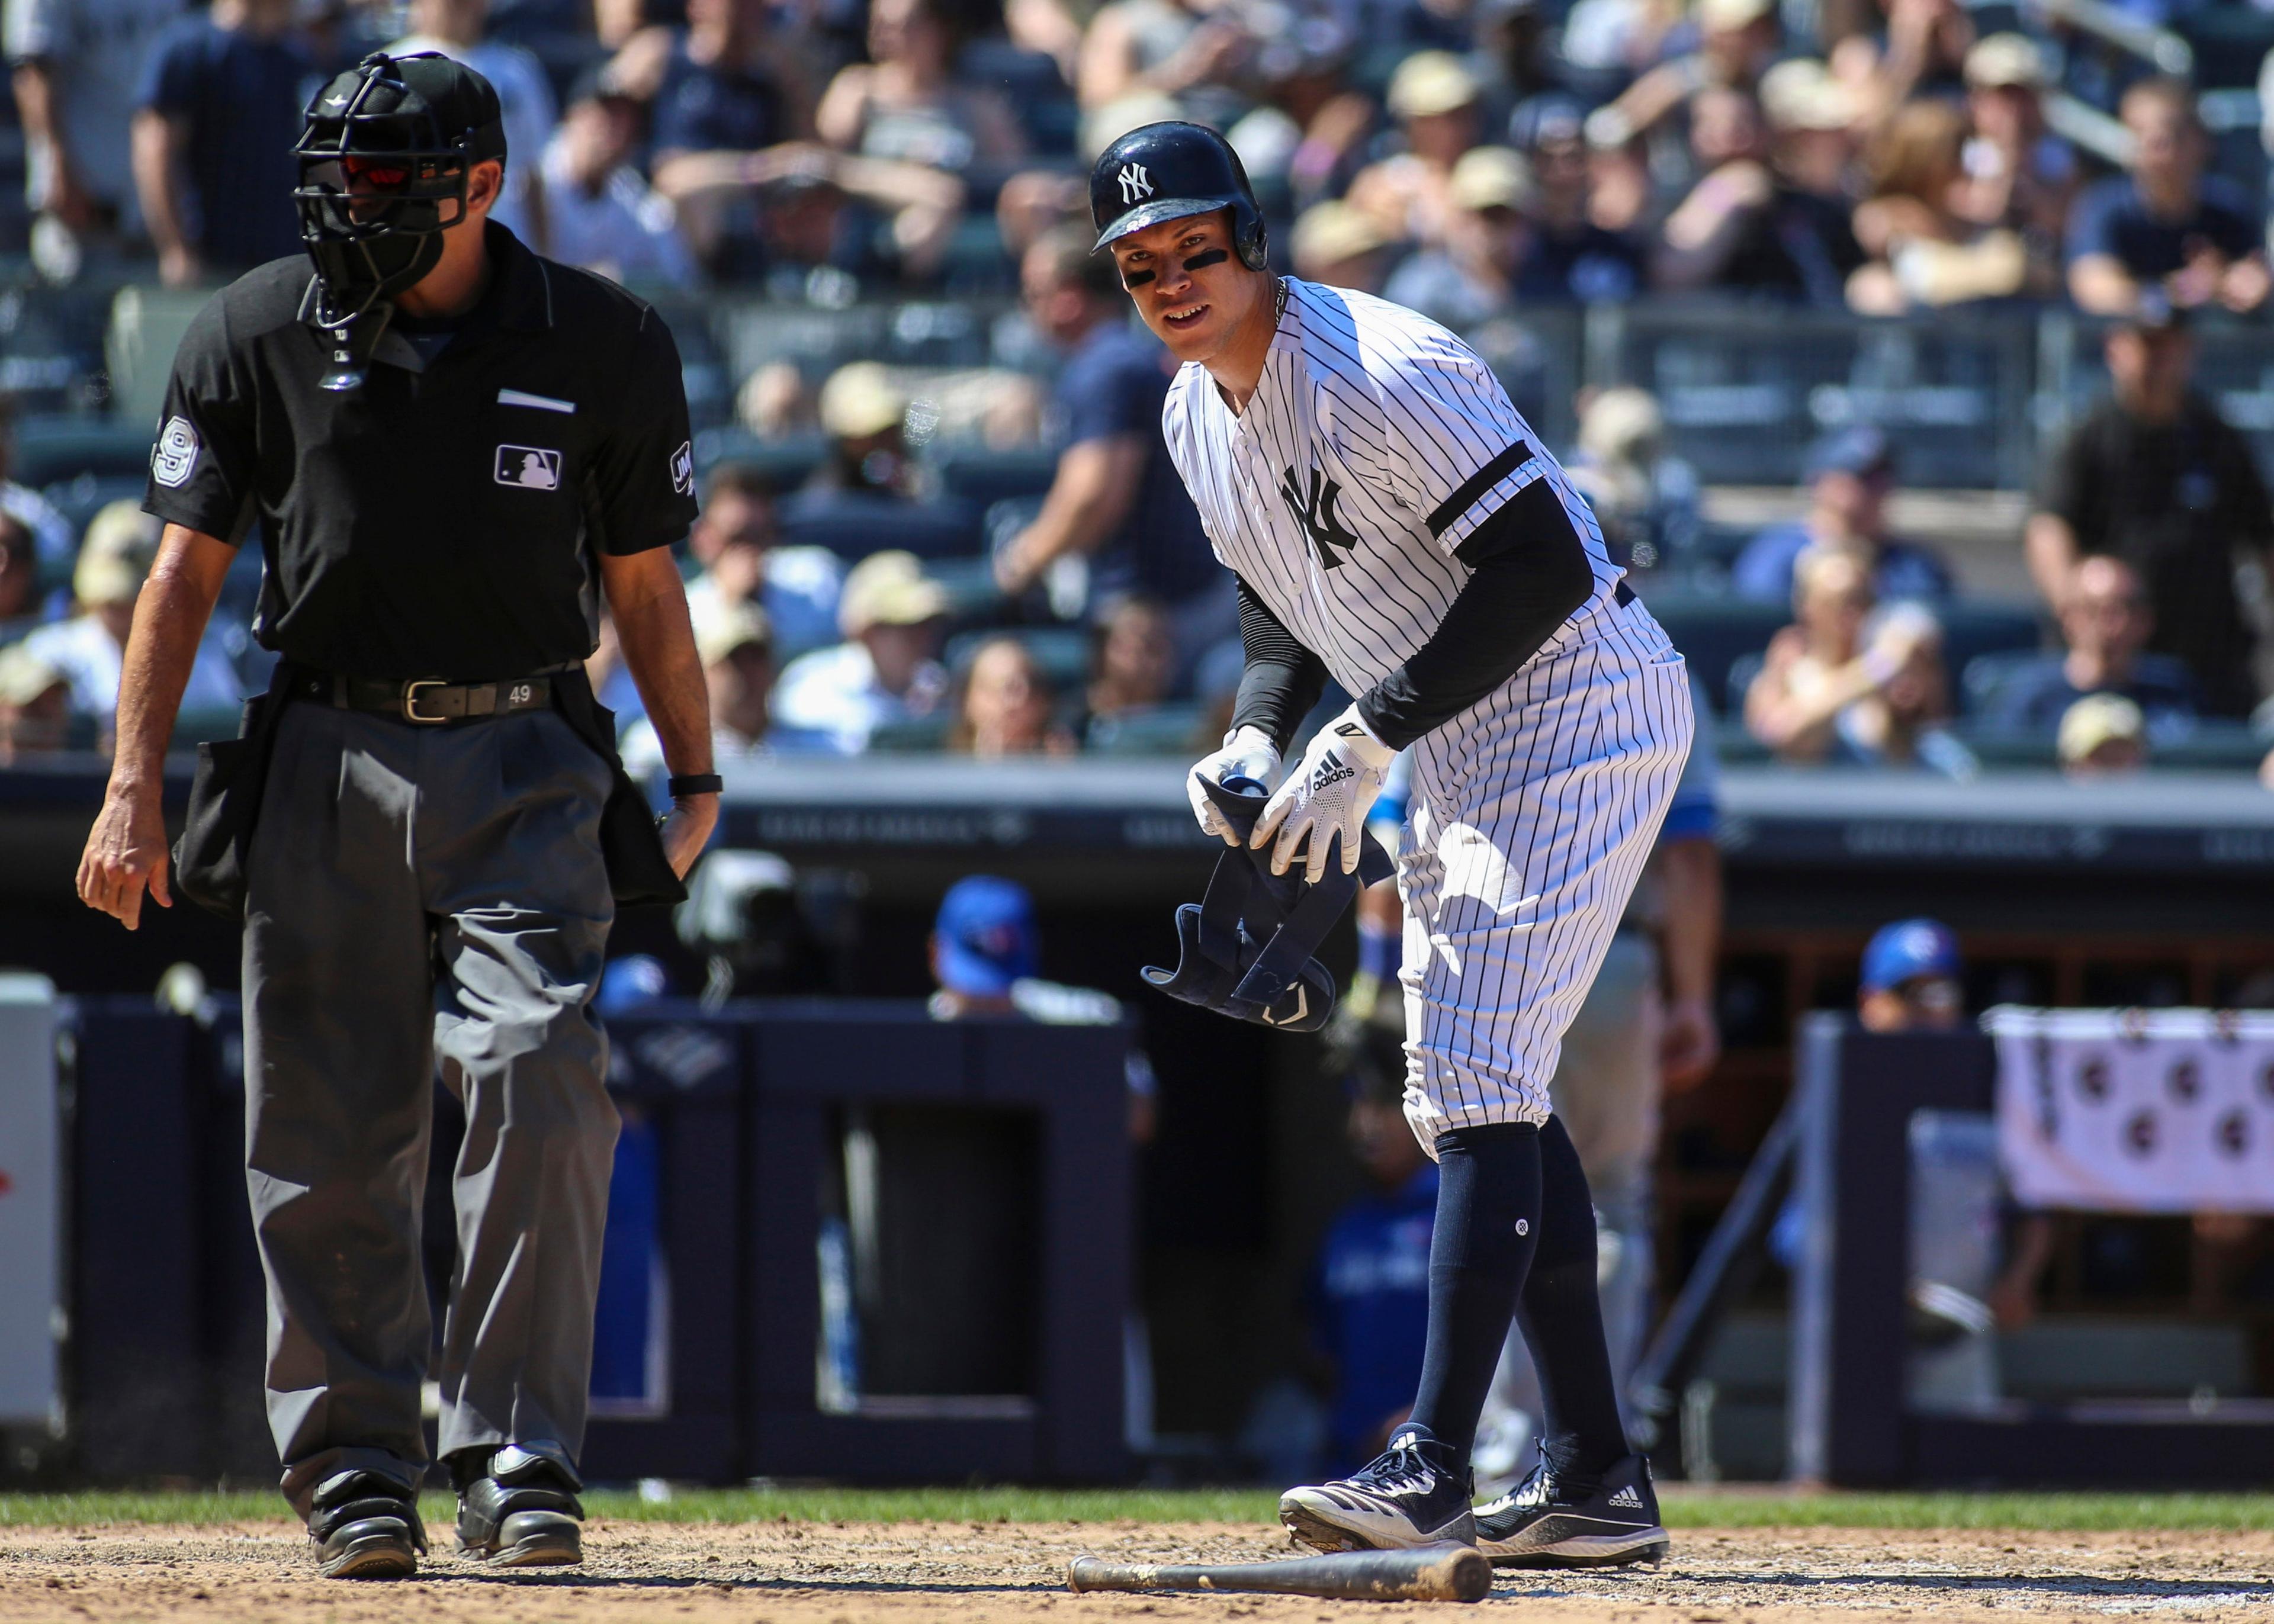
[385, 158]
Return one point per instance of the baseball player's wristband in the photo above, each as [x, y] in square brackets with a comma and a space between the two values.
[685, 783]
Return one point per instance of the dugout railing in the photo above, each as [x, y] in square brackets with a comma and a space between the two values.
[998, 1193]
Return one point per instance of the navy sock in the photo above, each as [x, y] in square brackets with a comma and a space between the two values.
[1487, 1223]
[1561, 1318]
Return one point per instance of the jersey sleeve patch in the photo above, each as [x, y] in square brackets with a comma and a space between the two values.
[175, 457]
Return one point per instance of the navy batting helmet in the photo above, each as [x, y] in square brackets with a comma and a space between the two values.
[1248, 948]
[1167, 171]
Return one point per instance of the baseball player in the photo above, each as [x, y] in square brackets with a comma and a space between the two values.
[1396, 524]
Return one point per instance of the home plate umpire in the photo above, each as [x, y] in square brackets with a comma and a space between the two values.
[453, 449]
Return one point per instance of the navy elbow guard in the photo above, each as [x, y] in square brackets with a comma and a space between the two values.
[1248, 948]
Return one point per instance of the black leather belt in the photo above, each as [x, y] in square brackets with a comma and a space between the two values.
[428, 701]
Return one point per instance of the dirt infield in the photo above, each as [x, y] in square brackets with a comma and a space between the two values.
[963, 1573]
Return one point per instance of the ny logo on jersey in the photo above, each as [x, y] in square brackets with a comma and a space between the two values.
[1316, 516]
[1135, 184]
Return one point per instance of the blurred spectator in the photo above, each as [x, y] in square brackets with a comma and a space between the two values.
[1117, 498]
[1409, 195]
[735, 646]
[1851, 474]
[729, 106]
[1340, 246]
[720, 88]
[733, 541]
[77, 65]
[1585, 206]
[1508, 249]
[1369, 1291]
[2195, 237]
[2107, 622]
[1647, 502]
[1921, 56]
[2019, 175]
[1924, 253]
[217, 109]
[985, 948]
[1841, 686]
[1736, 41]
[1471, 276]
[905, 102]
[2103, 735]
[1610, 41]
[1004, 706]
[1744, 228]
[2155, 476]
[1909, 980]
[19, 571]
[887, 669]
[34, 706]
[1188, 51]
[120, 545]
[52, 532]
[599, 211]
[455, 28]
[865, 415]
[1311, 127]
[1811, 117]
[1132, 663]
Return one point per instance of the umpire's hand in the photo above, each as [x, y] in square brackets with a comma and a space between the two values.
[126, 851]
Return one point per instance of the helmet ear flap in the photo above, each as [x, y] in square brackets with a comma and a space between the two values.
[1253, 241]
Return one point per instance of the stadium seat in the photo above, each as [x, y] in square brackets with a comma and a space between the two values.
[984, 476]
[1163, 729]
[788, 462]
[51, 450]
[853, 524]
[916, 735]
[1970, 631]
[972, 593]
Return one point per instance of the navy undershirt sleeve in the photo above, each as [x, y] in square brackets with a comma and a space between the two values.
[1283, 678]
[1531, 574]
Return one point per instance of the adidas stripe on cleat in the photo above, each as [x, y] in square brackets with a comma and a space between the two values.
[1542, 1525]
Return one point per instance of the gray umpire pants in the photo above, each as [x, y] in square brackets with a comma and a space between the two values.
[418, 891]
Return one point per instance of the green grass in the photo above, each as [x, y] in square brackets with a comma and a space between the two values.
[1765, 1507]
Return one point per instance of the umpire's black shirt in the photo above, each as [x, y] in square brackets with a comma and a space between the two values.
[441, 521]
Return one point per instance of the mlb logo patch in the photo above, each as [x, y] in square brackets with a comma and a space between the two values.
[682, 468]
[531, 467]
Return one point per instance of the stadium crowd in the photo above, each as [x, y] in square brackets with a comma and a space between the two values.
[1472, 158]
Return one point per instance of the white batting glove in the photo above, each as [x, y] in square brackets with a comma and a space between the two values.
[1327, 794]
[1247, 753]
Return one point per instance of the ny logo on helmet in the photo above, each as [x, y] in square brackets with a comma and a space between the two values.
[1135, 182]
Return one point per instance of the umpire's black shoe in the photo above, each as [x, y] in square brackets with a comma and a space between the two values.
[1540, 1525]
[518, 1507]
[1407, 1497]
[366, 1527]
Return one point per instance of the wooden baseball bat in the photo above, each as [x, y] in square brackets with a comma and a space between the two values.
[1445, 1572]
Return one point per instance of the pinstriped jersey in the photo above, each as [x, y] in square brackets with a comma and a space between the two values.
[1376, 444]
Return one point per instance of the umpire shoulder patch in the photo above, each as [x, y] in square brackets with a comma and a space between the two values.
[175, 457]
